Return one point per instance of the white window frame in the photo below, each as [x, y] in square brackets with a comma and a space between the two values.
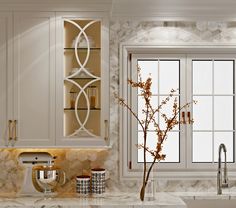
[207, 56]
[186, 169]
[134, 133]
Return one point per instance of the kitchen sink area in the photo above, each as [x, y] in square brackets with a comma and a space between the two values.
[211, 203]
[210, 200]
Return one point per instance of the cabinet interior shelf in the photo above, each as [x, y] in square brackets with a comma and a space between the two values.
[82, 78]
[83, 49]
[69, 109]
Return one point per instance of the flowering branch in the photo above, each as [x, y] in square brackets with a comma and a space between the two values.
[149, 118]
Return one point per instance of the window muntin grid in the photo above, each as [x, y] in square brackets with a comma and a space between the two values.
[213, 87]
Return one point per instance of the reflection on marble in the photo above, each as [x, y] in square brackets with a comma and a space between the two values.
[163, 200]
[76, 162]
[226, 195]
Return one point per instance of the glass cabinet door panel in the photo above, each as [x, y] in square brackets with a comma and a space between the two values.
[82, 78]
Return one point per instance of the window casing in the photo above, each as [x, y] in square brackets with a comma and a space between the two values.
[187, 164]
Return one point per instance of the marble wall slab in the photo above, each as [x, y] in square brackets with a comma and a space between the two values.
[156, 32]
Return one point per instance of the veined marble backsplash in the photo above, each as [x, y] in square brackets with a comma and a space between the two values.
[73, 162]
[76, 162]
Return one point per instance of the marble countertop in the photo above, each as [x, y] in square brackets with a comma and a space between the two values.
[124, 200]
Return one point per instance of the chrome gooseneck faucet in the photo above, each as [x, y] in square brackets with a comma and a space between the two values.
[222, 184]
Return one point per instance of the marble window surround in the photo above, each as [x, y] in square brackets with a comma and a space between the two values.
[74, 161]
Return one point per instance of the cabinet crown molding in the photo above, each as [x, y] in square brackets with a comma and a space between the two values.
[155, 9]
[175, 10]
[55, 5]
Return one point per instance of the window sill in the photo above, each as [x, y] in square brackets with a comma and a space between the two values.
[177, 175]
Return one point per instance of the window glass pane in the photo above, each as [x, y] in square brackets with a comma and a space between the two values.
[151, 144]
[141, 106]
[223, 113]
[223, 77]
[171, 147]
[167, 109]
[169, 75]
[202, 147]
[202, 113]
[227, 139]
[149, 68]
[202, 77]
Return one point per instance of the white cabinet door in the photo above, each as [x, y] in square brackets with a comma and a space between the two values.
[34, 78]
[5, 76]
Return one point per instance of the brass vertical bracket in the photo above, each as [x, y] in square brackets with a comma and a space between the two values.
[14, 137]
[183, 117]
[130, 165]
[9, 130]
[189, 117]
[106, 137]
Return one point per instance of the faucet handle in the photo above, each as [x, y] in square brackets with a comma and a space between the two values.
[225, 184]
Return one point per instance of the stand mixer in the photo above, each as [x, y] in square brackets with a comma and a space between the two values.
[41, 175]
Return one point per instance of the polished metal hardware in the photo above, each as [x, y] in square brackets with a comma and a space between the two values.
[130, 165]
[14, 137]
[221, 184]
[106, 130]
[189, 117]
[183, 117]
[9, 130]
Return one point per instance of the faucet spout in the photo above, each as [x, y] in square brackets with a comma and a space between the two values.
[222, 184]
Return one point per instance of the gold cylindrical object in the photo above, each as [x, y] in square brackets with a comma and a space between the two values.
[189, 117]
[183, 117]
[10, 130]
[106, 130]
[92, 92]
[14, 136]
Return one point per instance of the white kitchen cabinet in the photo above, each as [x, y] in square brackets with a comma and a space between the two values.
[34, 78]
[38, 68]
[6, 104]
[27, 68]
[82, 113]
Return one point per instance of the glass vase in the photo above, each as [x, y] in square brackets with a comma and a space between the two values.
[150, 189]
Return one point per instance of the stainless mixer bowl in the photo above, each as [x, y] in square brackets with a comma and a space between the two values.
[47, 178]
